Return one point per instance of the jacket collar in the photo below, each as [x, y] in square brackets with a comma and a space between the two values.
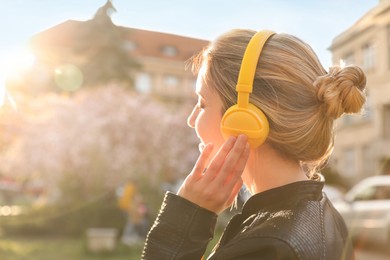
[310, 190]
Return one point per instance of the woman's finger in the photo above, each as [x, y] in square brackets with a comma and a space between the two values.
[239, 168]
[200, 164]
[218, 160]
[233, 158]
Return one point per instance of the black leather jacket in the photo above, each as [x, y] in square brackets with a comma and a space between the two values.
[295, 221]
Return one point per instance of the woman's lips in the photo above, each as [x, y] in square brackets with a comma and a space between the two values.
[201, 147]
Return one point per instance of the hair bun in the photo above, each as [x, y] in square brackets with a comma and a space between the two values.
[341, 90]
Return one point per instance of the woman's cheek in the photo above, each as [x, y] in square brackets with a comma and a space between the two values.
[199, 126]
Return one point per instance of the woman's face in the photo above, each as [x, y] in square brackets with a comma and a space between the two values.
[206, 116]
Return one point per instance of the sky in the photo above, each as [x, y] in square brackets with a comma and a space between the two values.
[315, 21]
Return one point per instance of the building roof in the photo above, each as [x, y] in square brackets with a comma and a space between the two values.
[158, 44]
[139, 42]
[365, 23]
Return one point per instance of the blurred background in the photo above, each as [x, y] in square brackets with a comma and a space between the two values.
[94, 99]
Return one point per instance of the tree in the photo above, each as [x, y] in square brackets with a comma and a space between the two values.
[77, 54]
[101, 43]
[93, 141]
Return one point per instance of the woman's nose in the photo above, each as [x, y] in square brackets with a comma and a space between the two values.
[191, 118]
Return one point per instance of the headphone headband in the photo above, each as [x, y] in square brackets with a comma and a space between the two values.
[250, 60]
[246, 118]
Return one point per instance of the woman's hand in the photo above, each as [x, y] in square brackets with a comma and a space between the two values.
[216, 185]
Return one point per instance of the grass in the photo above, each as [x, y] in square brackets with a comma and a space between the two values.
[65, 248]
[20, 248]
[56, 248]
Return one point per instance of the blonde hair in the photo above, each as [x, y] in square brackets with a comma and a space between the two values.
[299, 98]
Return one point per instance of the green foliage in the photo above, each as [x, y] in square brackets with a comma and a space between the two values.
[66, 219]
[49, 248]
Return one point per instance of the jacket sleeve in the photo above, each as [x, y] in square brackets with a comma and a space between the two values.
[181, 230]
[264, 248]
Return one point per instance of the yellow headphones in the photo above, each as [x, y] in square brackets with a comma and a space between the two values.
[244, 117]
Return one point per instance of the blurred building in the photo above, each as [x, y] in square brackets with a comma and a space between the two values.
[163, 59]
[160, 57]
[363, 142]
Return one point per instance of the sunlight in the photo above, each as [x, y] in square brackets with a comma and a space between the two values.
[13, 64]
[16, 61]
[342, 63]
[10, 210]
[5, 96]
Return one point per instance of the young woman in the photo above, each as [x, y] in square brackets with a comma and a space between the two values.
[288, 216]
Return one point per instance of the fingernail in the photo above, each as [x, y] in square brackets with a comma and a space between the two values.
[232, 139]
[243, 137]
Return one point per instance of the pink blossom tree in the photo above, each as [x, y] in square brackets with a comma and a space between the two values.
[96, 139]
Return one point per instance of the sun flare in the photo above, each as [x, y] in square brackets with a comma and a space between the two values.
[13, 63]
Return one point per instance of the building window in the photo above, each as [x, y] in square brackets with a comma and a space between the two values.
[347, 119]
[349, 167]
[129, 45]
[169, 50]
[369, 162]
[365, 115]
[143, 82]
[368, 57]
[349, 59]
[367, 108]
[388, 44]
[171, 82]
[386, 121]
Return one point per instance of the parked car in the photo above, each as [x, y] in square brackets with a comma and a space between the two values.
[366, 209]
[333, 193]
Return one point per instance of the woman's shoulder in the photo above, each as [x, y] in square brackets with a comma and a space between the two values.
[306, 230]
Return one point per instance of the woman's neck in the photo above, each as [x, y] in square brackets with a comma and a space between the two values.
[267, 169]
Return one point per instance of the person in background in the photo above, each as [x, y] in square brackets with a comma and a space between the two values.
[140, 216]
[126, 203]
[288, 216]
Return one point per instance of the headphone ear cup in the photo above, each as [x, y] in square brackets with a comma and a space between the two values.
[245, 118]
[249, 121]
